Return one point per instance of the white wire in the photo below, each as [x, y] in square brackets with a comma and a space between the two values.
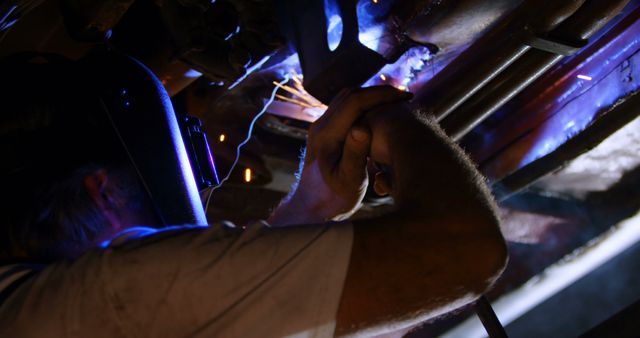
[246, 140]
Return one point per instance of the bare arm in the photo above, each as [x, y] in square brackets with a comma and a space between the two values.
[440, 249]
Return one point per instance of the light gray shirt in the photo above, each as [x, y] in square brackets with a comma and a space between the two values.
[190, 282]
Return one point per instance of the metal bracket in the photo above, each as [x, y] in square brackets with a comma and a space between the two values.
[327, 72]
[550, 44]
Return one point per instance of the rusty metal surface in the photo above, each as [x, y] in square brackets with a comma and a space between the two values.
[600, 168]
[327, 71]
[586, 21]
[499, 91]
[489, 56]
[451, 24]
[528, 124]
[618, 115]
[224, 40]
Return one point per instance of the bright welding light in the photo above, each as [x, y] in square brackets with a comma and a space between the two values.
[191, 73]
[222, 137]
[401, 87]
[405, 70]
[585, 77]
[374, 1]
[382, 77]
[247, 175]
[334, 24]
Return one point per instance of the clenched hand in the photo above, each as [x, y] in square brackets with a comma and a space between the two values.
[334, 177]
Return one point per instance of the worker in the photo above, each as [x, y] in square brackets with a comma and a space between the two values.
[84, 253]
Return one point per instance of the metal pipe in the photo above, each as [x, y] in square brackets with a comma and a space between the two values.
[591, 17]
[546, 96]
[500, 90]
[465, 76]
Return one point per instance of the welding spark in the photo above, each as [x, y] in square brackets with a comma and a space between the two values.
[296, 79]
[247, 175]
[585, 77]
[300, 95]
[298, 102]
[312, 107]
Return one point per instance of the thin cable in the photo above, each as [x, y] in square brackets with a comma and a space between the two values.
[246, 140]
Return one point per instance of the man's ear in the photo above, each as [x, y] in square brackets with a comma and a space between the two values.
[96, 184]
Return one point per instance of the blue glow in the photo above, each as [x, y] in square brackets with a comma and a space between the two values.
[213, 164]
[142, 232]
[232, 33]
[371, 27]
[371, 37]
[334, 23]
[192, 73]
[613, 68]
[579, 107]
[104, 243]
[4, 20]
[129, 233]
[405, 71]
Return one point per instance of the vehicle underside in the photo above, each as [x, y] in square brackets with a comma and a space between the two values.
[543, 95]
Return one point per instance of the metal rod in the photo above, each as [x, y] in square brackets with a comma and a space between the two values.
[489, 319]
[591, 17]
[504, 45]
[500, 90]
[538, 101]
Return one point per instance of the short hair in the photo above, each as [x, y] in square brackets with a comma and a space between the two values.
[51, 136]
[58, 219]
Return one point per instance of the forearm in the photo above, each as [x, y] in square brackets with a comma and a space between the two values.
[295, 210]
[428, 172]
[441, 247]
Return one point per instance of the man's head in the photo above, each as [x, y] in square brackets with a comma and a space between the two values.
[66, 181]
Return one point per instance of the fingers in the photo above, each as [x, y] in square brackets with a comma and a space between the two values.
[335, 102]
[352, 166]
[348, 106]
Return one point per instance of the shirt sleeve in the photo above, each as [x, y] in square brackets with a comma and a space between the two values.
[209, 282]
